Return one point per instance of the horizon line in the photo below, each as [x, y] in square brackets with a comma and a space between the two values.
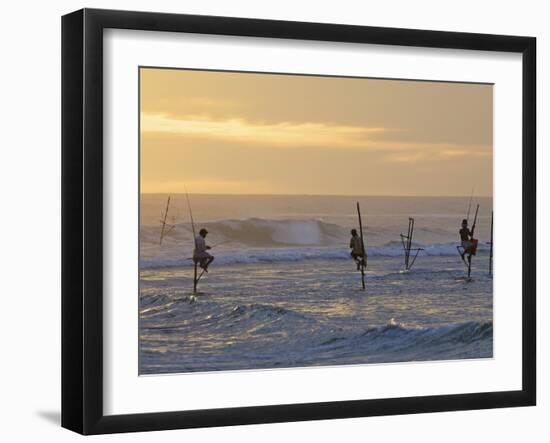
[312, 195]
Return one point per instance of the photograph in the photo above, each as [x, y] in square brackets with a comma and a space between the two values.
[292, 221]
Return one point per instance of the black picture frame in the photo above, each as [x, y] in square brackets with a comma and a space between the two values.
[82, 218]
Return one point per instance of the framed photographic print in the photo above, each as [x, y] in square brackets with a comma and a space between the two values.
[269, 221]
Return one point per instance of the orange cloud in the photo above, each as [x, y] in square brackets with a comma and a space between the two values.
[285, 134]
[309, 135]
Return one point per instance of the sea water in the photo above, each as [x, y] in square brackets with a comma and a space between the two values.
[284, 292]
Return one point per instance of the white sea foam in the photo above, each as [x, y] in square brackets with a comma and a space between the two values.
[259, 240]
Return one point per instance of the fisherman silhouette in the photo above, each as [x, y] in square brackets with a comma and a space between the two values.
[356, 249]
[466, 241]
[199, 254]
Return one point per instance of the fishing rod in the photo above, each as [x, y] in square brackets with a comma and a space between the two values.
[191, 215]
[470, 204]
[163, 231]
[475, 221]
[222, 243]
[214, 245]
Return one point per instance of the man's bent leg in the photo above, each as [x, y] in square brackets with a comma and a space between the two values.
[205, 261]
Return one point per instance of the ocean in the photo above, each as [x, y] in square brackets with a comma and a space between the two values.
[283, 291]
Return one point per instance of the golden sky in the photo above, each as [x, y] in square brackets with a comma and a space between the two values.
[237, 133]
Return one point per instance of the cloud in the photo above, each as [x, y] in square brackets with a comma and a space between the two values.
[206, 185]
[438, 153]
[284, 134]
[316, 135]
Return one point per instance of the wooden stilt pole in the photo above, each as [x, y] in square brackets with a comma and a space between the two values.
[195, 261]
[406, 242]
[364, 258]
[472, 236]
[491, 248]
[163, 221]
[409, 242]
[195, 281]
[411, 234]
[406, 247]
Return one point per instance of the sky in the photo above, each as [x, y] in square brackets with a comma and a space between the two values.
[218, 132]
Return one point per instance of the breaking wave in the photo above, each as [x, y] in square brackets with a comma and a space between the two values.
[258, 232]
[258, 240]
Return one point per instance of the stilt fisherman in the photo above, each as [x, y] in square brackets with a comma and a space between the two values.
[466, 237]
[200, 255]
[356, 249]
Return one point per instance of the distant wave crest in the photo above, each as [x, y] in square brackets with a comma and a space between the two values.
[257, 240]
